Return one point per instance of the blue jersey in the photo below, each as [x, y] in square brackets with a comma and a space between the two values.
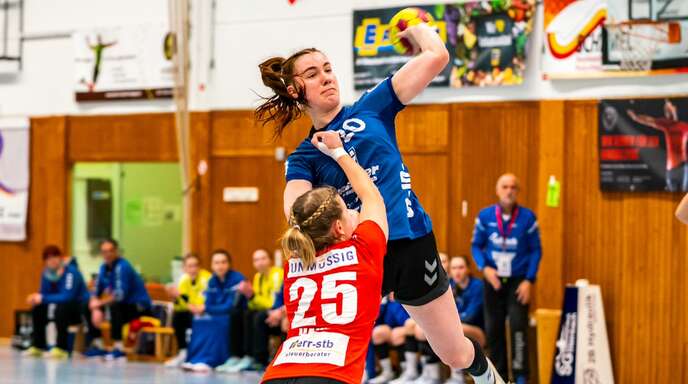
[70, 287]
[517, 255]
[369, 136]
[469, 301]
[222, 295]
[121, 280]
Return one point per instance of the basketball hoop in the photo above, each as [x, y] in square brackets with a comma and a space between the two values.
[637, 43]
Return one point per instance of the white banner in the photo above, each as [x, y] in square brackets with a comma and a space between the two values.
[127, 62]
[14, 178]
[582, 349]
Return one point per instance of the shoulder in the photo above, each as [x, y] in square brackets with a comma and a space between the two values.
[204, 275]
[305, 148]
[487, 213]
[369, 230]
[185, 279]
[236, 275]
[476, 283]
[379, 97]
[527, 213]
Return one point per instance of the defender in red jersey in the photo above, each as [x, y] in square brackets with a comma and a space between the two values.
[333, 279]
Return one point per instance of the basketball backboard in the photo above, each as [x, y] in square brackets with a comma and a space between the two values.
[656, 10]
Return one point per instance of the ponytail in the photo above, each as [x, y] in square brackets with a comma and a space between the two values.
[281, 108]
[298, 244]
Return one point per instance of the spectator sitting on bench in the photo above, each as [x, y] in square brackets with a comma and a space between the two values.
[59, 300]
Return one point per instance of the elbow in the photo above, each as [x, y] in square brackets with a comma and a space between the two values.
[440, 59]
[682, 216]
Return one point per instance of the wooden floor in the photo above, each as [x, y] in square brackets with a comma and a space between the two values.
[17, 369]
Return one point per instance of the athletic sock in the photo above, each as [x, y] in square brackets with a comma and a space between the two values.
[382, 351]
[479, 365]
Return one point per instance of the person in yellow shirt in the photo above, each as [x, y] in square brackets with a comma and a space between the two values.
[250, 330]
[190, 290]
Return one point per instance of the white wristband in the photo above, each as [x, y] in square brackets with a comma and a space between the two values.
[333, 153]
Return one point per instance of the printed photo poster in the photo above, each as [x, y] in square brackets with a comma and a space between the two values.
[14, 178]
[643, 145]
[487, 43]
[127, 62]
[573, 38]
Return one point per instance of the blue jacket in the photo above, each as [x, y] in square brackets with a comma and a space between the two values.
[122, 281]
[517, 256]
[469, 301]
[221, 296]
[279, 298]
[69, 288]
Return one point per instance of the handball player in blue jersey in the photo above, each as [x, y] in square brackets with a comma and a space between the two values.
[305, 83]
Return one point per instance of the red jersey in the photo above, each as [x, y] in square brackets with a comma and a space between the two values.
[331, 308]
[676, 137]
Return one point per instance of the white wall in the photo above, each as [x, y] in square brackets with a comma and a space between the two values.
[245, 33]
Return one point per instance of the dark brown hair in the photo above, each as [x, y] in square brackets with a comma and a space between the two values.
[310, 224]
[281, 108]
[51, 251]
[222, 252]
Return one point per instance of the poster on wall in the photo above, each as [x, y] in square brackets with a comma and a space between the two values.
[14, 178]
[486, 41]
[127, 62]
[583, 39]
[643, 144]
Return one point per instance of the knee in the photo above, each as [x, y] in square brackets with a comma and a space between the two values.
[410, 327]
[398, 336]
[381, 334]
[419, 334]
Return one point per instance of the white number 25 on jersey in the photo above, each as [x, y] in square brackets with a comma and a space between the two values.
[330, 290]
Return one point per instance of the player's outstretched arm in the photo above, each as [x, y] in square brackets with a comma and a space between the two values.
[411, 79]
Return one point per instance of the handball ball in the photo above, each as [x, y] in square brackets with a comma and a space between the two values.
[405, 18]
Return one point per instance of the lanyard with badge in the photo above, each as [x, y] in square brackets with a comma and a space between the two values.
[503, 259]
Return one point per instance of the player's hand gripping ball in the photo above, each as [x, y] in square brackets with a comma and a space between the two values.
[405, 18]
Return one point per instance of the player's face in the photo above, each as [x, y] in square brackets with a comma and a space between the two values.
[261, 261]
[109, 252]
[191, 267]
[53, 262]
[314, 72]
[507, 190]
[219, 264]
[458, 269]
[348, 221]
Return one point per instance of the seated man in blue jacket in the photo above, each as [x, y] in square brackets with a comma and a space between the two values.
[209, 344]
[59, 300]
[120, 291]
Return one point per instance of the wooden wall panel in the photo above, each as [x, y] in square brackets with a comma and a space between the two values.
[47, 222]
[242, 228]
[430, 183]
[199, 147]
[487, 140]
[550, 284]
[629, 244]
[144, 137]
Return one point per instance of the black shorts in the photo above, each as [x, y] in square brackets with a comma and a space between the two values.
[303, 380]
[413, 271]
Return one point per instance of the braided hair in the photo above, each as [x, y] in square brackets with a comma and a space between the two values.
[310, 224]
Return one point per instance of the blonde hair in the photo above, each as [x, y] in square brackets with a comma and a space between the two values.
[310, 224]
